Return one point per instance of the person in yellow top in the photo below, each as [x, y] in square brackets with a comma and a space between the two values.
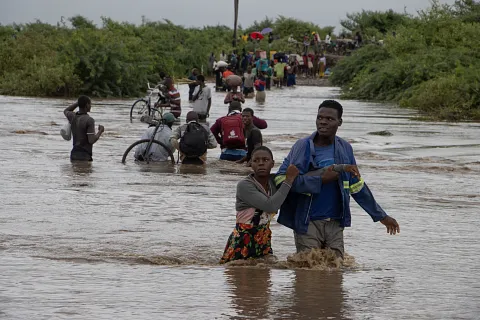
[245, 38]
[279, 69]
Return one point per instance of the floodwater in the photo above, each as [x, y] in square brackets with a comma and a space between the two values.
[108, 240]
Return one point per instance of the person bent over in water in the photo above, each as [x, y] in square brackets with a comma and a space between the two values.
[157, 152]
[83, 129]
[192, 140]
[257, 201]
[229, 132]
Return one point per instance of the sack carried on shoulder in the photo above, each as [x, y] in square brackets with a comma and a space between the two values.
[232, 132]
[66, 131]
[193, 143]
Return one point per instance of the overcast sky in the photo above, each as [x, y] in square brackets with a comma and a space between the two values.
[197, 12]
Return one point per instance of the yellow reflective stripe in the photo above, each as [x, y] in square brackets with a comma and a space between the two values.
[346, 185]
[356, 187]
[282, 177]
[279, 179]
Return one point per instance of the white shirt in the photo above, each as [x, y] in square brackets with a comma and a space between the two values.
[158, 153]
[324, 60]
[249, 80]
[327, 39]
[200, 105]
[223, 57]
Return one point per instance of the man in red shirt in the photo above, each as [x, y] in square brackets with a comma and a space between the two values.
[229, 132]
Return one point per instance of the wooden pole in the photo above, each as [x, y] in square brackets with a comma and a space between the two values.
[235, 4]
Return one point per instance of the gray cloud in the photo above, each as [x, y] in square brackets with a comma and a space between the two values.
[197, 12]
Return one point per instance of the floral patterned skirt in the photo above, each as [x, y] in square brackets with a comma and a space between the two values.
[248, 241]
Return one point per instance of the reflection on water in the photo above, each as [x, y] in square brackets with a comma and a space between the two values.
[105, 240]
[317, 295]
[78, 168]
[250, 292]
[308, 294]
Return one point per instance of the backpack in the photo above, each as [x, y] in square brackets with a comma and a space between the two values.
[193, 142]
[232, 132]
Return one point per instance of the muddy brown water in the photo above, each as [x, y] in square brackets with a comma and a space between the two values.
[108, 240]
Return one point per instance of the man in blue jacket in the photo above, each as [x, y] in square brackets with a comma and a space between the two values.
[318, 207]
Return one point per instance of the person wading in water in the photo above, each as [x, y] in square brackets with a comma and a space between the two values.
[83, 129]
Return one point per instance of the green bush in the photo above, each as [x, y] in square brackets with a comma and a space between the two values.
[432, 64]
[118, 59]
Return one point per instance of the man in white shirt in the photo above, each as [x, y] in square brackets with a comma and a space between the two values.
[328, 38]
[202, 99]
[223, 56]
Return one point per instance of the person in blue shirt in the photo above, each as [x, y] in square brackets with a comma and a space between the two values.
[318, 206]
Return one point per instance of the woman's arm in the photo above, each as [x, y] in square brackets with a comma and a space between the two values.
[320, 172]
[248, 193]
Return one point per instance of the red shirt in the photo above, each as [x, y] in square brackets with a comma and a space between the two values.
[227, 74]
[175, 102]
[217, 127]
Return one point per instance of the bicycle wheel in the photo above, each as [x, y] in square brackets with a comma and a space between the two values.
[139, 108]
[136, 143]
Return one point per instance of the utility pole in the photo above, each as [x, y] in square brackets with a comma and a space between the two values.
[235, 4]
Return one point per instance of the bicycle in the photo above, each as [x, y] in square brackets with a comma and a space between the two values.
[146, 155]
[143, 107]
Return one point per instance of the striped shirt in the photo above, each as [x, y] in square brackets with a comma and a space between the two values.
[175, 102]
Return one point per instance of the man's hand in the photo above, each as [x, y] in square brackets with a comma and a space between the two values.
[329, 175]
[353, 170]
[392, 225]
[101, 129]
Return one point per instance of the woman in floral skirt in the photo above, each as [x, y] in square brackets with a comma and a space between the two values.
[258, 200]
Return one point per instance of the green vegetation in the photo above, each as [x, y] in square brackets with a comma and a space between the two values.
[432, 64]
[117, 59]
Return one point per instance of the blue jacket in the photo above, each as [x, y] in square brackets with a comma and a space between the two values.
[295, 211]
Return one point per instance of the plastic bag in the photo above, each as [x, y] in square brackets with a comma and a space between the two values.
[66, 131]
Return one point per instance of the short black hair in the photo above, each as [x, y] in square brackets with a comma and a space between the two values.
[235, 105]
[262, 148]
[248, 110]
[83, 101]
[200, 77]
[332, 104]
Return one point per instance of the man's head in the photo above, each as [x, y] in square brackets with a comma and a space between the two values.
[84, 103]
[194, 71]
[169, 82]
[247, 117]
[192, 116]
[168, 119]
[329, 118]
[200, 79]
[235, 106]
[249, 69]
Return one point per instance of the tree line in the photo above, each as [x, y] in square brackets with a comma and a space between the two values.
[429, 61]
[117, 59]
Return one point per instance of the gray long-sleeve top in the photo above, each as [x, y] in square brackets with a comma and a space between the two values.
[320, 172]
[250, 194]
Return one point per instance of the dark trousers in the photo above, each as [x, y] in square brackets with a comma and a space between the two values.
[190, 91]
[78, 154]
